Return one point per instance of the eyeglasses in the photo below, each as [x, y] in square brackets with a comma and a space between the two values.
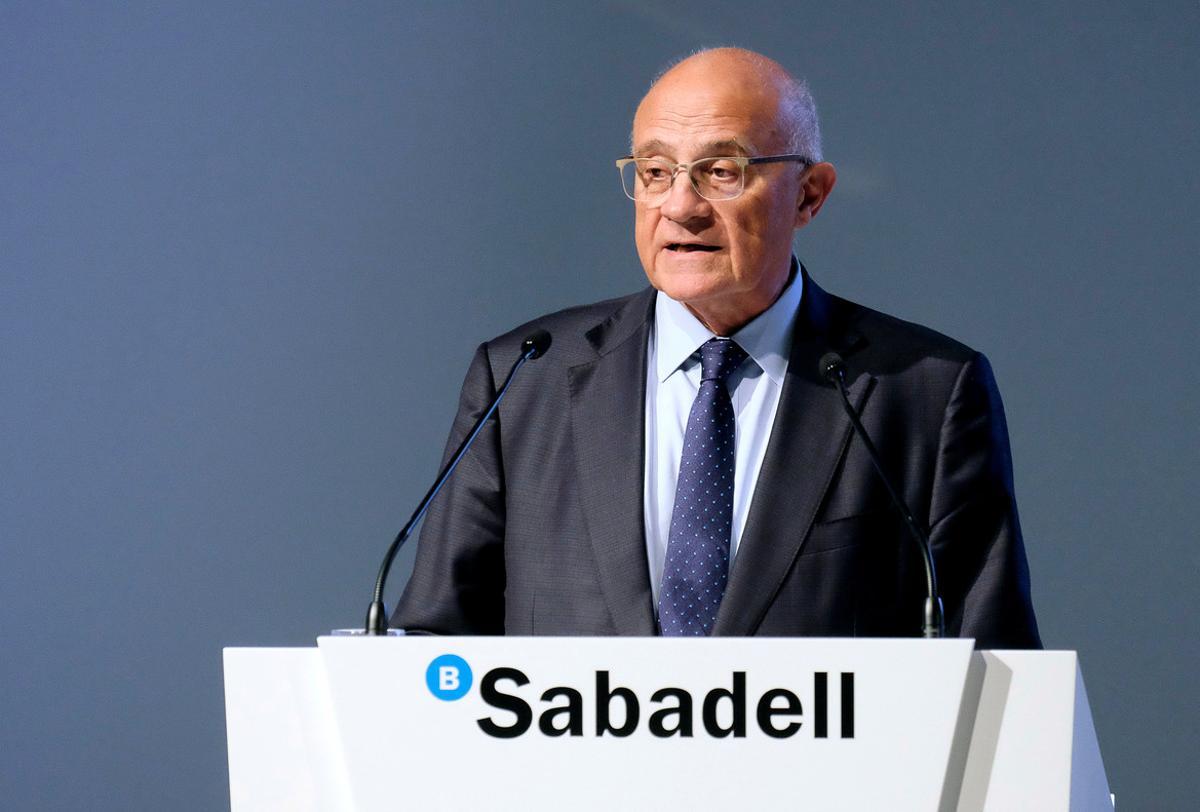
[648, 180]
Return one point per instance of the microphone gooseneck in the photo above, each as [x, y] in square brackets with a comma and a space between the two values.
[832, 369]
[534, 346]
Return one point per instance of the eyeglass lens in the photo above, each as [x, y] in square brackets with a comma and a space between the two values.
[649, 180]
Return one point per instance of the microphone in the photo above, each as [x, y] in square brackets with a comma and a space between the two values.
[832, 369]
[534, 346]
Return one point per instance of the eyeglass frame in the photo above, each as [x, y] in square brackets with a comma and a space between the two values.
[742, 161]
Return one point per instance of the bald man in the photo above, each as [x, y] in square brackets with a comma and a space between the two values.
[675, 465]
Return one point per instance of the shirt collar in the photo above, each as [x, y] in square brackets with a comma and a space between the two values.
[766, 339]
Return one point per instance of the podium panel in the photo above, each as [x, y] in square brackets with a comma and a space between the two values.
[1033, 744]
[611, 723]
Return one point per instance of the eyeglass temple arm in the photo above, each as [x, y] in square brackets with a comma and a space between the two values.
[775, 159]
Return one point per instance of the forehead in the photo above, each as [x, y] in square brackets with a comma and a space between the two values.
[692, 114]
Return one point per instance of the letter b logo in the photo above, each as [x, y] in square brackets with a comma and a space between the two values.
[448, 677]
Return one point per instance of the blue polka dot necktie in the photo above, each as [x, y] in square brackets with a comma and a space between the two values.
[697, 564]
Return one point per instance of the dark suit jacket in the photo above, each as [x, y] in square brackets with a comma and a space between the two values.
[541, 529]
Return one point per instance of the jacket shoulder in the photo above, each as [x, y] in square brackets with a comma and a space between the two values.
[888, 342]
[574, 331]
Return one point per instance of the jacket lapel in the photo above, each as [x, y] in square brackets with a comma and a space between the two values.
[808, 439]
[608, 428]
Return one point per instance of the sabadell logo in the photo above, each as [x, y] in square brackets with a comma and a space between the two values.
[778, 712]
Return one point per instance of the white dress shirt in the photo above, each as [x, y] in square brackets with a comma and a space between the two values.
[672, 380]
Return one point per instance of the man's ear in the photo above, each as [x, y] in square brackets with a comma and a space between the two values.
[815, 186]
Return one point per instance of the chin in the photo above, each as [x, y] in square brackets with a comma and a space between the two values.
[685, 288]
[690, 285]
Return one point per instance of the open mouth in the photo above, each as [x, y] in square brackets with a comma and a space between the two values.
[685, 248]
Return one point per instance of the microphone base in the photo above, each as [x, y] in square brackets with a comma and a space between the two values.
[935, 619]
[377, 623]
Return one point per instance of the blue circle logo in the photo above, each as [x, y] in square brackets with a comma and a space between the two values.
[448, 677]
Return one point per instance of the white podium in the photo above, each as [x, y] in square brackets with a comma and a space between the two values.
[658, 723]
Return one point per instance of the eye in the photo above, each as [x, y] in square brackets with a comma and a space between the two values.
[723, 171]
[654, 172]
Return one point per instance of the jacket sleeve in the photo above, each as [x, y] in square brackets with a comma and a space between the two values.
[457, 583]
[975, 533]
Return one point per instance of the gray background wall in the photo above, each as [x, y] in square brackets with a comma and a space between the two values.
[246, 250]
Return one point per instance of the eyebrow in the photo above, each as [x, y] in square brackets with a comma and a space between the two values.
[711, 149]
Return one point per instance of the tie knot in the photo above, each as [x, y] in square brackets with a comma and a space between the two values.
[719, 357]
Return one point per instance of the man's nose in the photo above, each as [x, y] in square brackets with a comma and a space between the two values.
[683, 202]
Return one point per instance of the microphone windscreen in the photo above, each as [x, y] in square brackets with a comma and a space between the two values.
[831, 367]
[535, 344]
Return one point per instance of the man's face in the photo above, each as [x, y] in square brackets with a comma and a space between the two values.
[726, 259]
